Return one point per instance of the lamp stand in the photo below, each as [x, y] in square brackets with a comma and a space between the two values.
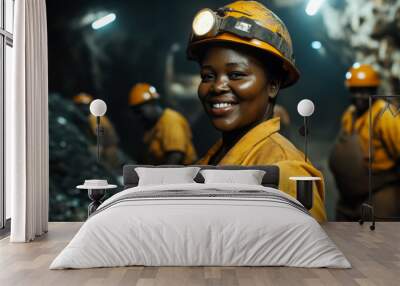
[367, 209]
[98, 137]
[305, 138]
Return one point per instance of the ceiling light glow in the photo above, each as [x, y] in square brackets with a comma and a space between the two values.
[103, 21]
[316, 45]
[313, 7]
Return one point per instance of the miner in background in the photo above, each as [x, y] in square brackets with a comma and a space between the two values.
[168, 136]
[110, 154]
[350, 156]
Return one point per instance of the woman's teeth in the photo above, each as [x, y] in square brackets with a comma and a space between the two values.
[221, 105]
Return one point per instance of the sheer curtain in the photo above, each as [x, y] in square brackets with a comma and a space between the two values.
[27, 158]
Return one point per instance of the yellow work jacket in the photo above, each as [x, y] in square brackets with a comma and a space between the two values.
[386, 136]
[171, 133]
[263, 145]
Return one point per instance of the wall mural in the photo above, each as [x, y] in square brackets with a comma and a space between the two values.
[164, 107]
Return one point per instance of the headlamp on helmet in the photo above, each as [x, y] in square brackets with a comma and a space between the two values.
[204, 23]
[208, 23]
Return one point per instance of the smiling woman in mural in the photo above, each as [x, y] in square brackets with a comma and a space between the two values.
[245, 55]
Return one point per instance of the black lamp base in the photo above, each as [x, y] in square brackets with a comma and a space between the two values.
[367, 214]
[96, 195]
[305, 193]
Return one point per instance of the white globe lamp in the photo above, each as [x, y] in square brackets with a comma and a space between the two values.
[305, 108]
[98, 107]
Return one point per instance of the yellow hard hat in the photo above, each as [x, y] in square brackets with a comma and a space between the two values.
[248, 23]
[362, 75]
[141, 93]
[82, 98]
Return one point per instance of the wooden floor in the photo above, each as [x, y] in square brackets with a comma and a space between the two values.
[375, 257]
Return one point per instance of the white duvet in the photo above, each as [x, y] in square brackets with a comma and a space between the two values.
[188, 231]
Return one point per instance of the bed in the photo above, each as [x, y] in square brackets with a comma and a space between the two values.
[201, 224]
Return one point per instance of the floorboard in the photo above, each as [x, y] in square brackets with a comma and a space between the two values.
[375, 257]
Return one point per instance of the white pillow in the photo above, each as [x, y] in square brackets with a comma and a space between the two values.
[163, 176]
[248, 177]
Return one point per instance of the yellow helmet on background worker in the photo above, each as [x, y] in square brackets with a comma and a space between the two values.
[247, 23]
[362, 75]
[141, 93]
[82, 98]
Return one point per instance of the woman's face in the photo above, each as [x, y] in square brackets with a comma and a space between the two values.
[234, 89]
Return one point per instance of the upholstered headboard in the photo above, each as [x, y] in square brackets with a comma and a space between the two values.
[270, 179]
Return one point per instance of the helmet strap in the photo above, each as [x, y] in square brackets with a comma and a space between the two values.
[223, 10]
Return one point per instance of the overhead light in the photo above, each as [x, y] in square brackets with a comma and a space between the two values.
[316, 45]
[313, 7]
[103, 21]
